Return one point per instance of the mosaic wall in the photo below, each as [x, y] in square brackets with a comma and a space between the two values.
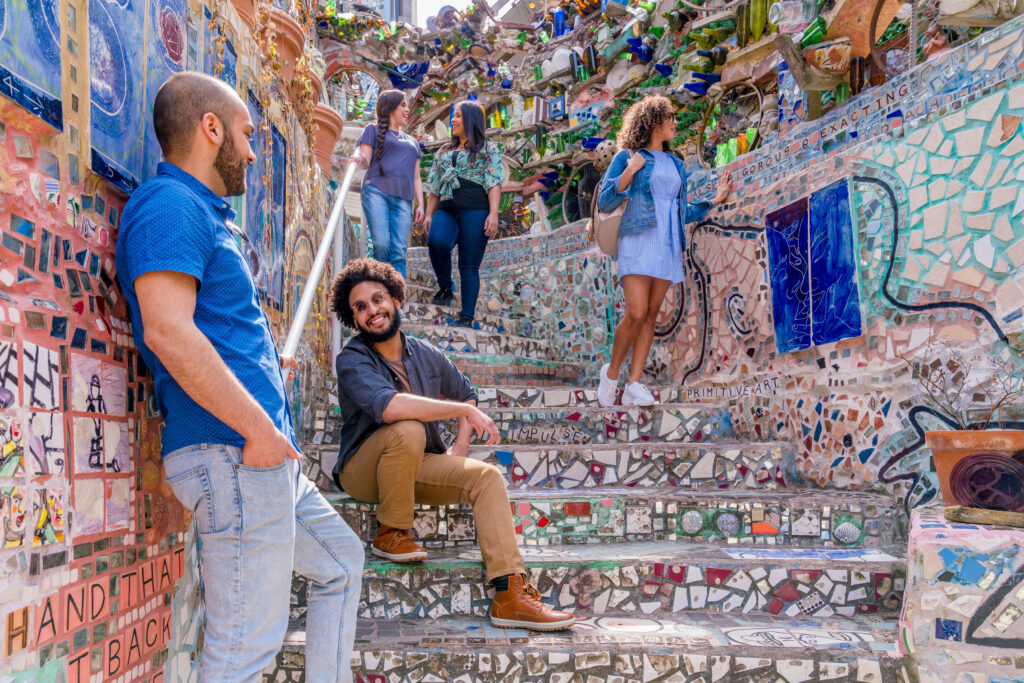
[962, 614]
[97, 576]
[931, 247]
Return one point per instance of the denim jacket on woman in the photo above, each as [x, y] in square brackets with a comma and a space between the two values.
[640, 214]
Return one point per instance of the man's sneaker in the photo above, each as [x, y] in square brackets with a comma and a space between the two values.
[443, 297]
[520, 607]
[606, 387]
[636, 394]
[397, 545]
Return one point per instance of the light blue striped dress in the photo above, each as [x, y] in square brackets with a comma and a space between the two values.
[657, 252]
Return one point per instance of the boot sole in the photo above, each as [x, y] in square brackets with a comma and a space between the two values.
[404, 557]
[533, 625]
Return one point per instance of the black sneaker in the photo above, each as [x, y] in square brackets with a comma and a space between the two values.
[464, 321]
[443, 298]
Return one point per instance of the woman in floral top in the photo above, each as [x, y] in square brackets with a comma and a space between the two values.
[464, 189]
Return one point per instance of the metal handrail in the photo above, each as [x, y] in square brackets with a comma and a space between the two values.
[291, 344]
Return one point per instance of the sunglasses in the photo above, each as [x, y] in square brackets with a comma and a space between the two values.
[377, 299]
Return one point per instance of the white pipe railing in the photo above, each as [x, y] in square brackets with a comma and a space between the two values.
[334, 225]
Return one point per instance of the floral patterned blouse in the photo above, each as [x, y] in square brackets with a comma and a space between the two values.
[487, 169]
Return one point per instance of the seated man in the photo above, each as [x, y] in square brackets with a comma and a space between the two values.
[390, 389]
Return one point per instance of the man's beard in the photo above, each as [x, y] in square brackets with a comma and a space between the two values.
[231, 166]
[389, 332]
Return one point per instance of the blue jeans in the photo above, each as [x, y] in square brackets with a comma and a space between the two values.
[465, 229]
[255, 523]
[389, 219]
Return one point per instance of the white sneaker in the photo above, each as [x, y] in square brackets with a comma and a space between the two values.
[636, 394]
[606, 387]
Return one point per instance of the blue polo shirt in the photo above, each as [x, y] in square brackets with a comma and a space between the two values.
[174, 222]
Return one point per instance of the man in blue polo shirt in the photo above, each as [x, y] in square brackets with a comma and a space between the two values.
[229, 446]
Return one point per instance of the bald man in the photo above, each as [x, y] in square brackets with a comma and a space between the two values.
[229, 448]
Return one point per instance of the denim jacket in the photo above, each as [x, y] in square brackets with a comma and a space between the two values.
[640, 214]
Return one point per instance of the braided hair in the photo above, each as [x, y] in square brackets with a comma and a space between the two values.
[387, 102]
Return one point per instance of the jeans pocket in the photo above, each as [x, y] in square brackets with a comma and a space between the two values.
[204, 482]
[192, 487]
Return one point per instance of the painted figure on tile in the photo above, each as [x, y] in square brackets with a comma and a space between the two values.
[391, 449]
[392, 185]
[652, 239]
[229, 447]
[465, 189]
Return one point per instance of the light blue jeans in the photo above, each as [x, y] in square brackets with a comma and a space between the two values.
[389, 219]
[255, 523]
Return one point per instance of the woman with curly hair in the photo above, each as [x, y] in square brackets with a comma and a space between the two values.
[652, 180]
[392, 181]
[462, 209]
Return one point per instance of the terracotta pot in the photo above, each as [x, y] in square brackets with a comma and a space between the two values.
[951, 446]
[291, 41]
[329, 124]
[317, 86]
[246, 10]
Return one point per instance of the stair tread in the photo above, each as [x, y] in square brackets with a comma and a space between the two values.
[674, 553]
[744, 635]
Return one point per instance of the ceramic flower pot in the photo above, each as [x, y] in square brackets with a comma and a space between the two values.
[328, 131]
[291, 41]
[832, 57]
[996, 480]
[246, 10]
[316, 85]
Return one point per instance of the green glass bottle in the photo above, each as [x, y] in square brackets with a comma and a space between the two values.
[743, 25]
[758, 12]
[813, 34]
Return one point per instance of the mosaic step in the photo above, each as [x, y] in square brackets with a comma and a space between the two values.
[517, 397]
[650, 465]
[424, 314]
[709, 648]
[465, 340]
[649, 578]
[596, 425]
[486, 370]
[595, 516]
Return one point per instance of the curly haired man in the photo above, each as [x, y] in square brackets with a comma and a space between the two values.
[393, 389]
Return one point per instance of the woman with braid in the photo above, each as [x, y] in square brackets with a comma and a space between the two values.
[392, 181]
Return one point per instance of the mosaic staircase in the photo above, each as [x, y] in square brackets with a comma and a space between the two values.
[686, 555]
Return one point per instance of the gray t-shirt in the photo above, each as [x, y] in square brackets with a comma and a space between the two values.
[399, 158]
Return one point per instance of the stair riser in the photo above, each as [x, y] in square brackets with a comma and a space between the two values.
[562, 397]
[612, 425]
[457, 340]
[649, 662]
[429, 314]
[525, 375]
[689, 467]
[655, 653]
[582, 520]
[644, 589]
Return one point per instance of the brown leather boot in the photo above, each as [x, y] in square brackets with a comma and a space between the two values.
[520, 607]
[397, 545]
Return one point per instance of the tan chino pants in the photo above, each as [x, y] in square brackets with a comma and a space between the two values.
[391, 469]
